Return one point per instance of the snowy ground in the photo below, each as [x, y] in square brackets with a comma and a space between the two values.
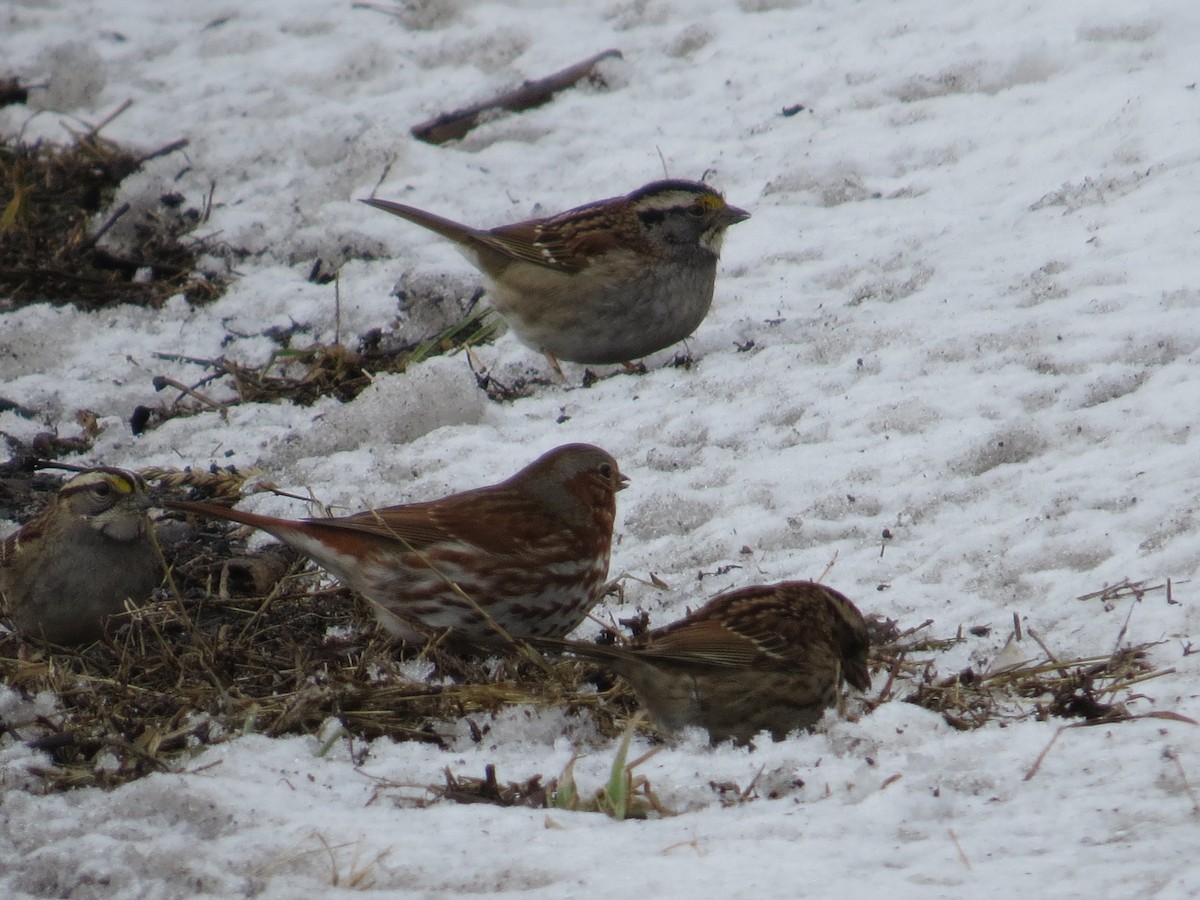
[970, 285]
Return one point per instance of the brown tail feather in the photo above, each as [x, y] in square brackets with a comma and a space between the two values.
[215, 511]
[447, 228]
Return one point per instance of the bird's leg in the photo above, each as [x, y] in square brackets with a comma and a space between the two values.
[555, 366]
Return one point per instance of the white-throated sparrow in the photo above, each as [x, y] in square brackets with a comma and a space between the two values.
[76, 563]
[608, 282]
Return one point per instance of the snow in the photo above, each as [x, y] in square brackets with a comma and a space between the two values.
[969, 284]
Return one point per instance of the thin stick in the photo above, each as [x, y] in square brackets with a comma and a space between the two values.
[163, 151]
[745, 794]
[96, 129]
[1062, 670]
[337, 308]
[162, 381]
[383, 175]
[1174, 757]
[1037, 763]
[1124, 627]
[957, 846]
[828, 567]
[615, 632]
[452, 125]
[104, 229]
[891, 679]
[208, 201]
[176, 357]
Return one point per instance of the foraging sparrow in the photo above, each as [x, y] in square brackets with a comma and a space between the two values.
[78, 562]
[609, 282]
[529, 554]
[770, 657]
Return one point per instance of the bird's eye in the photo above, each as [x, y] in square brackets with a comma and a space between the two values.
[606, 470]
[103, 489]
[696, 211]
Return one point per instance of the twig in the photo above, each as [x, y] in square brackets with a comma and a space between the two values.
[1170, 754]
[662, 159]
[162, 381]
[1157, 673]
[957, 846]
[383, 175]
[453, 125]
[1113, 591]
[96, 129]
[337, 307]
[1037, 763]
[891, 678]
[104, 229]
[1062, 670]
[163, 151]
[828, 567]
[744, 794]
[620, 636]
[208, 201]
[177, 357]
[1124, 627]
[914, 629]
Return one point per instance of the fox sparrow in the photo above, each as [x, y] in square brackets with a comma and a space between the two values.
[528, 556]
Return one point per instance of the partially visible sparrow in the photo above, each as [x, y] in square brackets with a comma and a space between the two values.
[770, 657]
[81, 559]
[529, 555]
[609, 282]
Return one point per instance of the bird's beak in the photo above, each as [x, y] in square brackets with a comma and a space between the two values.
[731, 215]
[622, 482]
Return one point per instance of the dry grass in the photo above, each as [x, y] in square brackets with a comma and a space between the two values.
[306, 374]
[50, 250]
[187, 673]
[1095, 688]
[252, 642]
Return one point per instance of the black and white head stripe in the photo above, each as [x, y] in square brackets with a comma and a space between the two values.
[99, 480]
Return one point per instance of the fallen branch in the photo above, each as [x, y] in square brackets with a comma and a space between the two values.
[453, 125]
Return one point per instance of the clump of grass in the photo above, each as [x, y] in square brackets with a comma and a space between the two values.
[241, 642]
[50, 250]
[624, 796]
[1094, 688]
[303, 375]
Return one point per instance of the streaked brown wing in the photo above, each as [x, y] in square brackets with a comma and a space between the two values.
[703, 641]
[566, 242]
[522, 241]
[743, 628]
[498, 522]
